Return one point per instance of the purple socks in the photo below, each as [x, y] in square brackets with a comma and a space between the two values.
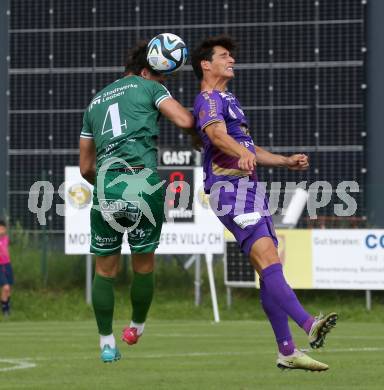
[308, 324]
[278, 289]
[279, 321]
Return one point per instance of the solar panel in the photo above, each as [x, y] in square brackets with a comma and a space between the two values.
[300, 77]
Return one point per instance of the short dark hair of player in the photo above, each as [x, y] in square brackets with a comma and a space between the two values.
[137, 60]
[205, 51]
[2, 223]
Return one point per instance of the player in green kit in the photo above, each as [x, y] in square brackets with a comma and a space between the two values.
[118, 154]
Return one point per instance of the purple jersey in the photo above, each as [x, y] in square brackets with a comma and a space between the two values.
[247, 216]
[219, 106]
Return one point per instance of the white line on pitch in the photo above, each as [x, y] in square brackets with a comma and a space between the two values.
[362, 349]
[18, 364]
[147, 356]
[196, 354]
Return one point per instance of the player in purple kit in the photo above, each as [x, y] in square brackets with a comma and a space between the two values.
[230, 158]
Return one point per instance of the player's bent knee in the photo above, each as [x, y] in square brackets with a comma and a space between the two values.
[6, 289]
[263, 253]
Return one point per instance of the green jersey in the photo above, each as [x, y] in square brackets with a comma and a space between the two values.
[122, 120]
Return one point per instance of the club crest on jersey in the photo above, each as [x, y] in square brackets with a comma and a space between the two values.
[244, 129]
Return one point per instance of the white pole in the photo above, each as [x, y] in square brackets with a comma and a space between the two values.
[88, 280]
[190, 261]
[368, 300]
[229, 297]
[197, 280]
[209, 260]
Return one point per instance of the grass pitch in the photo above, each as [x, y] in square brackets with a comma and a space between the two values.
[183, 355]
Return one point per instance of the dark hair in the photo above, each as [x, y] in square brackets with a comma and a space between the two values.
[205, 51]
[137, 59]
[2, 223]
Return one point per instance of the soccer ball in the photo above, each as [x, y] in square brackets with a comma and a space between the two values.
[166, 53]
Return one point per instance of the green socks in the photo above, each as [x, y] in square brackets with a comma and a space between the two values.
[141, 295]
[103, 301]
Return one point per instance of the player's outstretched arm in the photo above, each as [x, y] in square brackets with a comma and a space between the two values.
[217, 133]
[178, 114]
[182, 118]
[88, 159]
[296, 162]
[263, 157]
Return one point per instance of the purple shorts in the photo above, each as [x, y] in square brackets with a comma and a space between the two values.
[242, 207]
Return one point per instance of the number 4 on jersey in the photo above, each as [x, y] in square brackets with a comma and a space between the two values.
[114, 114]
